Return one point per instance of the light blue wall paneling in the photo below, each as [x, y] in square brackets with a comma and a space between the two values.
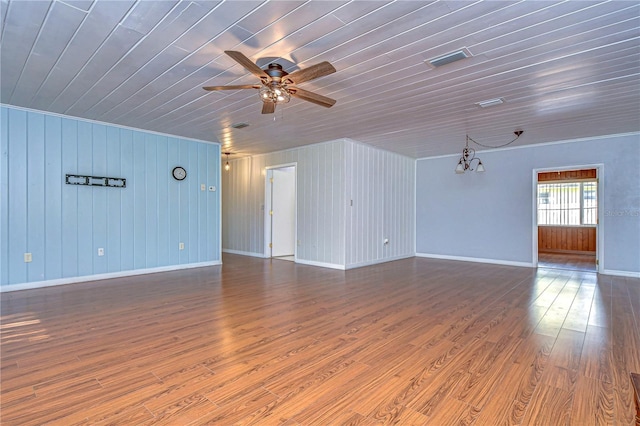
[17, 197]
[53, 196]
[490, 215]
[4, 195]
[114, 203]
[139, 227]
[99, 199]
[69, 200]
[127, 200]
[84, 220]
[35, 195]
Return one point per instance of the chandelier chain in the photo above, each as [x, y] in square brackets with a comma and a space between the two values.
[517, 133]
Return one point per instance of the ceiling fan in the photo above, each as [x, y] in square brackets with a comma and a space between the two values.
[277, 86]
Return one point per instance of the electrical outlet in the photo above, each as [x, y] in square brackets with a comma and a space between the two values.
[181, 246]
[27, 257]
[203, 187]
[100, 251]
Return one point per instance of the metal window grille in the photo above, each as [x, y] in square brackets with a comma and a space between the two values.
[568, 203]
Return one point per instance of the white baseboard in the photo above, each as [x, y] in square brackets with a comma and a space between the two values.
[377, 261]
[628, 274]
[244, 253]
[353, 265]
[97, 277]
[321, 264]
[477, 259]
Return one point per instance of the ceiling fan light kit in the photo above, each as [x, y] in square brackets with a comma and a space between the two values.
[277, 86]
[465, 163]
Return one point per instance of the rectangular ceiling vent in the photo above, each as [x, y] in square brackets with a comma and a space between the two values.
[240, 125]
[490, 102]
[450, 57]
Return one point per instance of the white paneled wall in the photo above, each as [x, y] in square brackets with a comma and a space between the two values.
[320, 202]
[381, 205]
[331, 230]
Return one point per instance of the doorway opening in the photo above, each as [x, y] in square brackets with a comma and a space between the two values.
[567, 218]
[280, 212]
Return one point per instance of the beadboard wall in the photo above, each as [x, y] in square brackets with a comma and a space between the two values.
[381, 195]
[320, 174]
[350, 197]
[139, 227]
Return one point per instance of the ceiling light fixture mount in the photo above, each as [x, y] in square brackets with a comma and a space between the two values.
[469, 155]
[227, 166]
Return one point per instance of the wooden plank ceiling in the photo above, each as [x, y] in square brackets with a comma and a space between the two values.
[564, 69]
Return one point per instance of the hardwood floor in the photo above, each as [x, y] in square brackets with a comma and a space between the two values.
[412, 342]
[578, 262]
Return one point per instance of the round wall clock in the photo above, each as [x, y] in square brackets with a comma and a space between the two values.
[179, 173]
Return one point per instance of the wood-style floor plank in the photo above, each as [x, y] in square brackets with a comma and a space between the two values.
[269, 342]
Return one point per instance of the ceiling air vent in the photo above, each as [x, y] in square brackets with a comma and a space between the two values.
[449, 58]
[490, 102]
[239, 125]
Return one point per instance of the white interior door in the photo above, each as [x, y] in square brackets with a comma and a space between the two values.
[283, 207]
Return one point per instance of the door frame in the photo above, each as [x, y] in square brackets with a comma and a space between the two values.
[267, 208]
[599, 226]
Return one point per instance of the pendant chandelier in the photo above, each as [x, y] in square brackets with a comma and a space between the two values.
[469, 155]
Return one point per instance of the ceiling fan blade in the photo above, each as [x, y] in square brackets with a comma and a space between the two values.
[314, 71]
[268, 108]
[312, 97]
[247, 63]
[237, 87]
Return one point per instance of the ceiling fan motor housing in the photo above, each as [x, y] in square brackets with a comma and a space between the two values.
[276, 72]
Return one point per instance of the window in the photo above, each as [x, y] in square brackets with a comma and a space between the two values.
[568, 203]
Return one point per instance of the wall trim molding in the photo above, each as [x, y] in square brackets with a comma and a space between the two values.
[104, 123]
[537, 145]
[378, 261]
[477, 260]
[99, 277]
[628, 274]
[245, 253]
[321, 264]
